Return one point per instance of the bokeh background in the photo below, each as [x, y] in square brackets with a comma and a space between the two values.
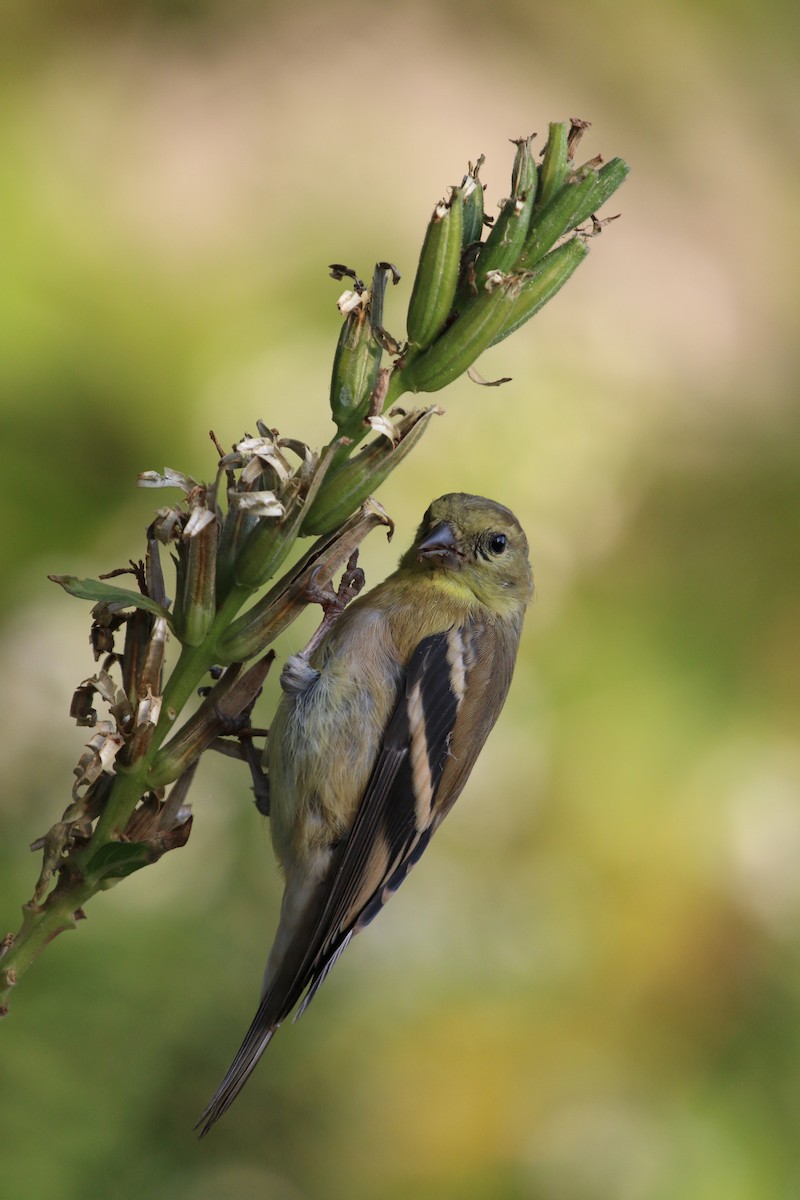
[590, 989]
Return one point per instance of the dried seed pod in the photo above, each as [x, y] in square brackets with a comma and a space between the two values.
[195, 602]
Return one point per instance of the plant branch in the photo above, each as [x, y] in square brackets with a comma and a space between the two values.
[468, 295]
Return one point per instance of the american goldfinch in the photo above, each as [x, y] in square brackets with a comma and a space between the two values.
[374, 739]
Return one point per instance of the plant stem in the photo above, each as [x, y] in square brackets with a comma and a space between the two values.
[131, 782]
[41, 923]
[397, 388]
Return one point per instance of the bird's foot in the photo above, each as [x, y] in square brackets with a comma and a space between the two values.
[333, 603]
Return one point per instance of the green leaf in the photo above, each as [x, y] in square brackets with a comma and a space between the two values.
[116, 860]
[96, 589]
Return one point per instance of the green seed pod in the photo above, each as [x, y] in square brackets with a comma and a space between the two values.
[264, 550]
[472, 218]
[268, 544]
[437, 274]
[464, 340]
[572, 205]
[363, 473]
[355, 366]
[357, 361]
[554, 166]
[504, 244]
[542, 284]
[236, 526]
[523, 172]
[256, 628]
[262, 468]
[557, 218]
[610, 176]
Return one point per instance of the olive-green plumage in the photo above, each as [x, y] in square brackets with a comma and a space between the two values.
[375, 737]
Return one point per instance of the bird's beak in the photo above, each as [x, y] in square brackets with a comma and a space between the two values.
[439, 547]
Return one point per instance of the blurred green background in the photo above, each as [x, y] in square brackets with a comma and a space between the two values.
[590, 989]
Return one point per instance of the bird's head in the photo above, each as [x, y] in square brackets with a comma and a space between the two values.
[478, 542]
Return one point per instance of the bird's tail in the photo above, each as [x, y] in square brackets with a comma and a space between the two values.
[256, 1040]
[289, 970]
[298, 962]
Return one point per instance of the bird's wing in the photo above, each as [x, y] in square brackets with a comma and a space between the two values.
[394, 820]
[402, 805]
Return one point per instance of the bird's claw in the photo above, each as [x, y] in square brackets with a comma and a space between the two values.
[333, 602]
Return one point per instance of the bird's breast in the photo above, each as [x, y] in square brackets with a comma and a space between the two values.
[324, 742]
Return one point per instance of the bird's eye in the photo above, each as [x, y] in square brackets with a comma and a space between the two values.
[497, 543]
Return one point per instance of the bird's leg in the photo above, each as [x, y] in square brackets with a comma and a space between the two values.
[258, 775]
[241, 747]
[333, 603]
[298, 676]
[236, 740]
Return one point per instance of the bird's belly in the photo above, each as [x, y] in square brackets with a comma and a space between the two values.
[323, 746]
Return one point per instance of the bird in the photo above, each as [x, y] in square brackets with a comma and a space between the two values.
[375, 735]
